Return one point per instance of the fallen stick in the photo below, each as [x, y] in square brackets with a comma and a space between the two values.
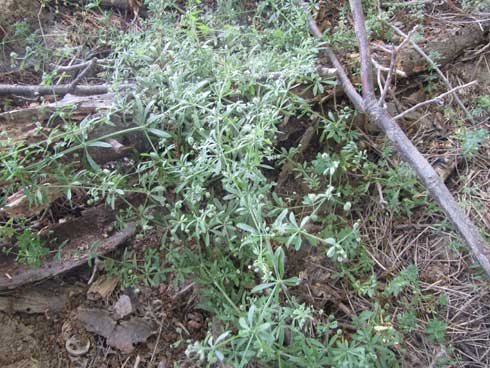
[394, 52]
[61, 90]
[74, 67]
[405, 148]
[435, 99]
[80, 76]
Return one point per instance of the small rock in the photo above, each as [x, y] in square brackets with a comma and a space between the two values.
[123, 307]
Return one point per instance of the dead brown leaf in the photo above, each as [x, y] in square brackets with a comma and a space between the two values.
[123, 335]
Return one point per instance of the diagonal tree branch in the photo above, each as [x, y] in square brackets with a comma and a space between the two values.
[362, 38]
[405, 148]
[347, 85]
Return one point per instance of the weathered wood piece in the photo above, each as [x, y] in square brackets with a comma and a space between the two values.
[85, 236]
[38, 299]
[122, 335]
[448, 41]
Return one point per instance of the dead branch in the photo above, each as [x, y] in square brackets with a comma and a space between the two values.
[435, 99]
[347, 85]
[387, 85]
[74, 67]
[80, 76]
[398, 72]
[61, 90]
[394, 53]
[364, 51]
[405, 148]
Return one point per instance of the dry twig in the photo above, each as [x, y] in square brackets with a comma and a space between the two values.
[80, 76]
[435, 99]
[392, 68]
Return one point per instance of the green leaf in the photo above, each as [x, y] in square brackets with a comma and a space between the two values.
[292, 281]
[247, 228]
[219, 355]
[279, 257]
[304, 221]
[263, 287]
[160, 133]
[243, 323]
[99, 144]
[251, 314]
[292, 219]
[221, 337]
[91, 162]
[436, 330]
[264, 326]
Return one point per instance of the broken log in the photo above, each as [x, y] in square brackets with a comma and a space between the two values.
[19, 275]
[80, 104]
[85, 239]
[21, 125]
[51, 297]
[447, 42]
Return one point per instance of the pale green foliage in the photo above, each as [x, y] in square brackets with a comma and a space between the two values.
[211, 90]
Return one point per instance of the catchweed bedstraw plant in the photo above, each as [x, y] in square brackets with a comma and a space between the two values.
[221, 116]
[208, 108]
